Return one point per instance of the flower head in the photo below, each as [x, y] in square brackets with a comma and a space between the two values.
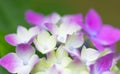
[21, 62]
[101, 35]
[23, 36]
[63, 45]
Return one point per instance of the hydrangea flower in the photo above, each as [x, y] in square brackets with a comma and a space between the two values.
[101, 35]
[61, 46]
[45, 42]
[56, 24]
[58, 60]
[61, 30]
[23, 36]
[74, 42]
[21, 62]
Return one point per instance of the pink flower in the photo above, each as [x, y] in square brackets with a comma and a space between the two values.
[101, 35]
[22, 61]
[23, 36]
[102, 65]
[59, 26]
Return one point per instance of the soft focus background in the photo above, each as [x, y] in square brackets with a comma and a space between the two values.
[12, 14]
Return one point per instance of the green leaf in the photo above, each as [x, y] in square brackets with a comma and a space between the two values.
[3, 71]
[4, 46]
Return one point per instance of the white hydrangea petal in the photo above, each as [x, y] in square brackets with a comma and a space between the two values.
[75, 40]
[22, 33]
[32, 32]
[89, 55]
[45, 42]
[55, 18]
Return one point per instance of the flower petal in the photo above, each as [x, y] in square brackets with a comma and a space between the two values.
[45, 42]
[12, 39]
[25, 51]
[11, 62]
[27, 36]
[102, 47]
[22, 33]
[55, 18]
[33, 17]
[73, 52]
[77, 18]
[108, 72]
[75, 40]
[63, 31]
[89, 55]
[109, 35]
[93, 20]
[51, 27]
[32, 62]
[32, 33]
[102, 64]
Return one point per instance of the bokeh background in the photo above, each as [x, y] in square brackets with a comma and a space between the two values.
[12, 14]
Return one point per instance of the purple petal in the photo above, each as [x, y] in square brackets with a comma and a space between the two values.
[50, 27]
[25, 51]
[12, 39]
[102, 64]
[11, 62]
[109, 35]
[93, 20]
[102, 47]
[33, 17]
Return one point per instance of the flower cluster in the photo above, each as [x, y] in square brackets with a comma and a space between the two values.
[69, 44]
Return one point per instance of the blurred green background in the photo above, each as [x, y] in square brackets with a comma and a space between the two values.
[12, 14]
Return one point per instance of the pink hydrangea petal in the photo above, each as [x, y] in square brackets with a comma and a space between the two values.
[12, 39]
[33, 17]
[25, 51]
[93, 20]
[11, 62]
[102, 47]
[49, 27]
[109, 35]
[103, 64]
